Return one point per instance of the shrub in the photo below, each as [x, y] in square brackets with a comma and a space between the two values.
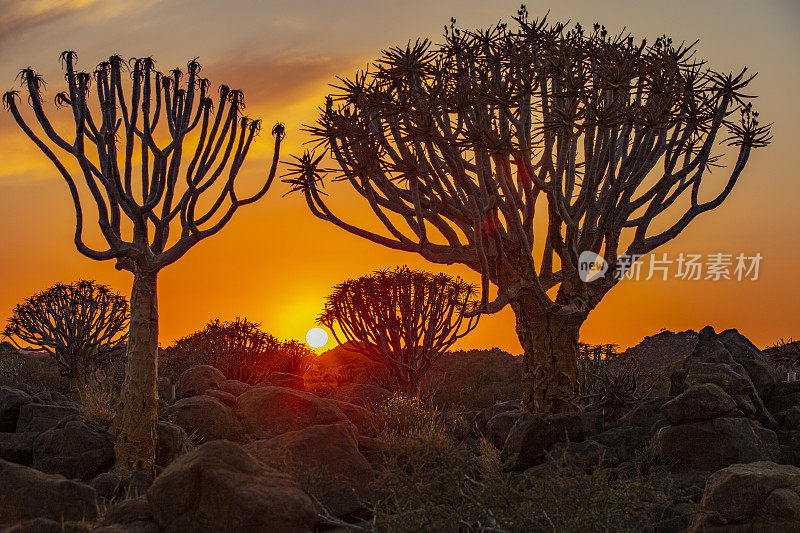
[239, 349]
[82, 325]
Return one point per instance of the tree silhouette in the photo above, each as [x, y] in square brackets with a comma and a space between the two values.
[123, 137]
[405, 319]
[467, 151]
[81, 325]
[240, 350]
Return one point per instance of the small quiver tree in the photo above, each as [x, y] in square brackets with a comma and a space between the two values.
[405, 319]
[153, 129]
[240, 350]
[81, 324]
[785, 356]
[517, 149]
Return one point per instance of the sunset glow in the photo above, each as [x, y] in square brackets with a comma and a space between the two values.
[283, 56]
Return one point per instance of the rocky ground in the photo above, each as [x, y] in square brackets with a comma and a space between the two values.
[719, 452]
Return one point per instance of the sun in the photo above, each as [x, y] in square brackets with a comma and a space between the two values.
[317, 337]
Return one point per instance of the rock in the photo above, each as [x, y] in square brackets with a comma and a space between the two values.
[135, 484]
[11, 400]
[700, 402]
[527, 441]
[283, 379]
[760, 496]
[331, 456]
[28, 493]
[106, 485]
[172, 441]
[205, 419]
[234, 386]
[220, 487]
[785, 395]
[711, 362]
[622, 443]
[372, 449]
[45, 525]
[576, 426]
[792, 418]
[586, 454]
[470, 446]
[755, 363]
[17, 447]
[367, 396]
[266, 412]
[197, 379]
[498, 428]
[714, 444]
[482, 417]
[77, 448]
[225, 397]
[360, 417]
[646, 414]
[40, 417]
[130, 511]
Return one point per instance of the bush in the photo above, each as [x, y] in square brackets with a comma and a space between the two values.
[430, 483]
[239, 349]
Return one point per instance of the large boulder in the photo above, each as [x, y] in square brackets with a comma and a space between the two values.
[498, 428]
[40, 417]
[714, 444]
[76, 447]
[577, 425]
[234, 386]
[221, 487]
[622, 443]
[527, 442]
[266, 412]
[284, 379]
[646, 414]
[365, 395]
[197, 379]
[330, 456]
[761, 496]
[17, 447]
[27, 493]
[711, 362]
[131, 515]
[359, 416]
[171, 442]
[480, 422]
[755, 363]
[11, 400]
[703, 401]
[205, 419]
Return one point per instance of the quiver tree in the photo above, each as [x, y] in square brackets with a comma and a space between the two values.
[82, 325]
[405, 319]
[455, 147]
[148, 129]
[240, 350]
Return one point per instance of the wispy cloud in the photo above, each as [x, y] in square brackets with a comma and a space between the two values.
[270, 81]
[19, 16]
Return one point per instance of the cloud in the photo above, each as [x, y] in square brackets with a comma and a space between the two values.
[19, 16]
[270, 81]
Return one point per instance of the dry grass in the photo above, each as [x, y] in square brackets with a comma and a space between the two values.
[99, 401]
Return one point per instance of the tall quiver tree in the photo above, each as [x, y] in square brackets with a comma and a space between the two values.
[123, 136]
[455, 147]
[405, 319]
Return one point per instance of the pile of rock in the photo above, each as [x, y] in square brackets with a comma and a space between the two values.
[48, 448]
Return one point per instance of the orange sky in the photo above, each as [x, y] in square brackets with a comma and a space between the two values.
[274, 263]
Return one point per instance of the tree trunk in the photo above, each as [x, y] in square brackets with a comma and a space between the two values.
[550, 363]
[134, 428]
